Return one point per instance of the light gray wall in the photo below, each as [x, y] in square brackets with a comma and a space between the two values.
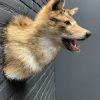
[78, 74]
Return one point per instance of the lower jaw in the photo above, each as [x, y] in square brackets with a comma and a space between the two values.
[72, 49]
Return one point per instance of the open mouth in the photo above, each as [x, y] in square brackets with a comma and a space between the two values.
[71, 44]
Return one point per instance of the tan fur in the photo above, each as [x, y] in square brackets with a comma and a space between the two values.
[30, 45]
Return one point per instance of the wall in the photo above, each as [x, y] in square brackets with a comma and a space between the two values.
[78, 74]
[38, 87]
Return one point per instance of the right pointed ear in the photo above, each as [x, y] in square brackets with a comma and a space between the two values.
[56, 4]
[73, 11]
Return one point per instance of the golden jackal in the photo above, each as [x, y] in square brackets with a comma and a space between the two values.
[30, 45]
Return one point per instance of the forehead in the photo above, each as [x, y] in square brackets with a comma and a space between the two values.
[62, 15]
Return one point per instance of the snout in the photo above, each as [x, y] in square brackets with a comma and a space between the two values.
[87, 35]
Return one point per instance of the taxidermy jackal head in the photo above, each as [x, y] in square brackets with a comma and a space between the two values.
[60, 26]
[29, 45]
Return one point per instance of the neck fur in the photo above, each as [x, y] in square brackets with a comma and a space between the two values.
[46, 51]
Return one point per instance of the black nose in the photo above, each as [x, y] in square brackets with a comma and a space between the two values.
[88, 35]
[85, 37]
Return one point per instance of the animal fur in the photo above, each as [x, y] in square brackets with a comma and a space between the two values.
[29, 45]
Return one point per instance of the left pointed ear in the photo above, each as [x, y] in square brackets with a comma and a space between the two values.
[61, 4]
[73, 11]
[56, 4]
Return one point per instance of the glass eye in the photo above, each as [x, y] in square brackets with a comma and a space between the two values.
[67, 22]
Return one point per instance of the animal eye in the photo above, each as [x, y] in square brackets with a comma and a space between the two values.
[67, 22]
[54, 19]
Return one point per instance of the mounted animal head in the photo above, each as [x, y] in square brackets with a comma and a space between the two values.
[57, 23]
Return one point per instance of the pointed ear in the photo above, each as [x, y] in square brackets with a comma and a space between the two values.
[56, 4]
[73, 11]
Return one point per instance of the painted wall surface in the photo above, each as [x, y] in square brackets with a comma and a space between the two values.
[78, 74]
